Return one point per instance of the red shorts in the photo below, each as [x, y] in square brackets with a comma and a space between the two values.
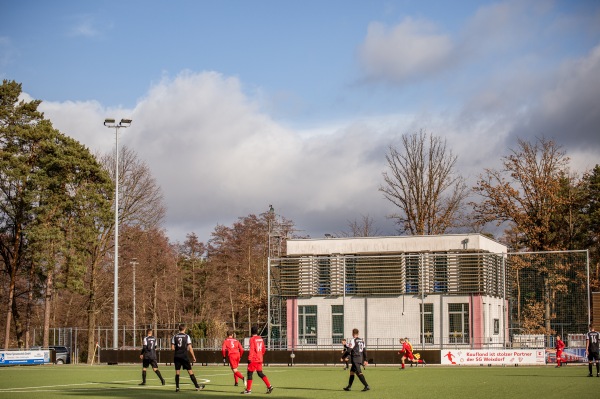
[234, 360]
[559, 354]
[255, 366]
[408, 355]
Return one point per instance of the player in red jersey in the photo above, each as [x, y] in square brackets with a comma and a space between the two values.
[255, 361]
[406, 351]
[232, 350]
[560, 346]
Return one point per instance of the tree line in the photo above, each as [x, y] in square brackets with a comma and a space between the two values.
[57, 228]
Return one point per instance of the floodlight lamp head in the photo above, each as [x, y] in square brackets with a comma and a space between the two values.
[108, 121]
[124, 122]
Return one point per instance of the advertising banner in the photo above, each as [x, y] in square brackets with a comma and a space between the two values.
[475, 357]
[38, 356]
[570, 355]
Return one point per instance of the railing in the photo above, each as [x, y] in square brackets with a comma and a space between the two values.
[450, 342]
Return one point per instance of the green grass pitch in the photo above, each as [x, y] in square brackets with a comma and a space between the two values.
[121, 381]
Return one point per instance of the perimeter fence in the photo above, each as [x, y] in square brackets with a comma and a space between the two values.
[438, 300]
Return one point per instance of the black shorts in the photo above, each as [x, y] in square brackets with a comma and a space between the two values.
[356, 365]
[182, 363]
[593, 356]
[149, 362]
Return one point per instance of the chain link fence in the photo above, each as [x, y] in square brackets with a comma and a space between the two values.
[450, 299]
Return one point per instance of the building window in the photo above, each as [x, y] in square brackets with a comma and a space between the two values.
[412, 273]
[440, 273]
[496, 326]
[458, 317]
[323, 276]
[337, 323]
[307, 325]
[427, 323]
[350, 276]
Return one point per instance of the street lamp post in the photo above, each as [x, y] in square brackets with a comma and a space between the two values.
[133, 263]
[110, 123]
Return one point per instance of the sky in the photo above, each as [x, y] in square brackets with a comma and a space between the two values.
[241, 104]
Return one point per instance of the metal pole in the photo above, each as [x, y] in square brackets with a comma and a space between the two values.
[587, 261]
[116, 277]
[269, 321]
[422, 287]
[110, 123]
[344, 293]
[133, 263]
[504, 307]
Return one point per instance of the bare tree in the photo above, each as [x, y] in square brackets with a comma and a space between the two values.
[140, 204]
[141, 200]
[528, 194]
[363, 228]
[422, 183]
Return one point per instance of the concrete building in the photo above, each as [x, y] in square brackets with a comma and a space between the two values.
[439, 291]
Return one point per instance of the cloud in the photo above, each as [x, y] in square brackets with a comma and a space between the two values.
[217, 156]
[569, 108]
[411, 49]
[84, 25]
[418, 49]
[510, 71]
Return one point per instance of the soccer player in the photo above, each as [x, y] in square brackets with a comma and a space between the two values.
[255, 361]
[233, 350]
[358, 358]
[560, 346]
[181, 344]
[591, 350]
[148, 357]
[345, 359]
[406, 352]
[411, 352]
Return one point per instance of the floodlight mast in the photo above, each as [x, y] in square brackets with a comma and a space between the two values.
[110, 123]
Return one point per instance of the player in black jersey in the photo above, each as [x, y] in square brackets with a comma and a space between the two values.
[345, 359]
[148, 357]
[592, 341]
[358, 357]
[181, 344]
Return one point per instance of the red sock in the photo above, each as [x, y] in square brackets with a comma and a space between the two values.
[402, 365]
[249, 386]
[266, 380]
[238, 375]
[235, 378]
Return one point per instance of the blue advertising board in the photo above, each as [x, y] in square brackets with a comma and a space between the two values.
[38, 356]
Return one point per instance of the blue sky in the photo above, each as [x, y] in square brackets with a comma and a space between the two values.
[241, 104]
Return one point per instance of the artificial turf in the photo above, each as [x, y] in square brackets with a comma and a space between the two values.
[121, 381]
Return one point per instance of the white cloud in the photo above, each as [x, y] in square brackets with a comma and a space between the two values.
[419, 49]
[411, 49]
[85, 25]
[218, 157]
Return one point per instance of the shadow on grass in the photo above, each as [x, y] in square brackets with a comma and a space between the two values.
[312, 389]
[567, 377]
